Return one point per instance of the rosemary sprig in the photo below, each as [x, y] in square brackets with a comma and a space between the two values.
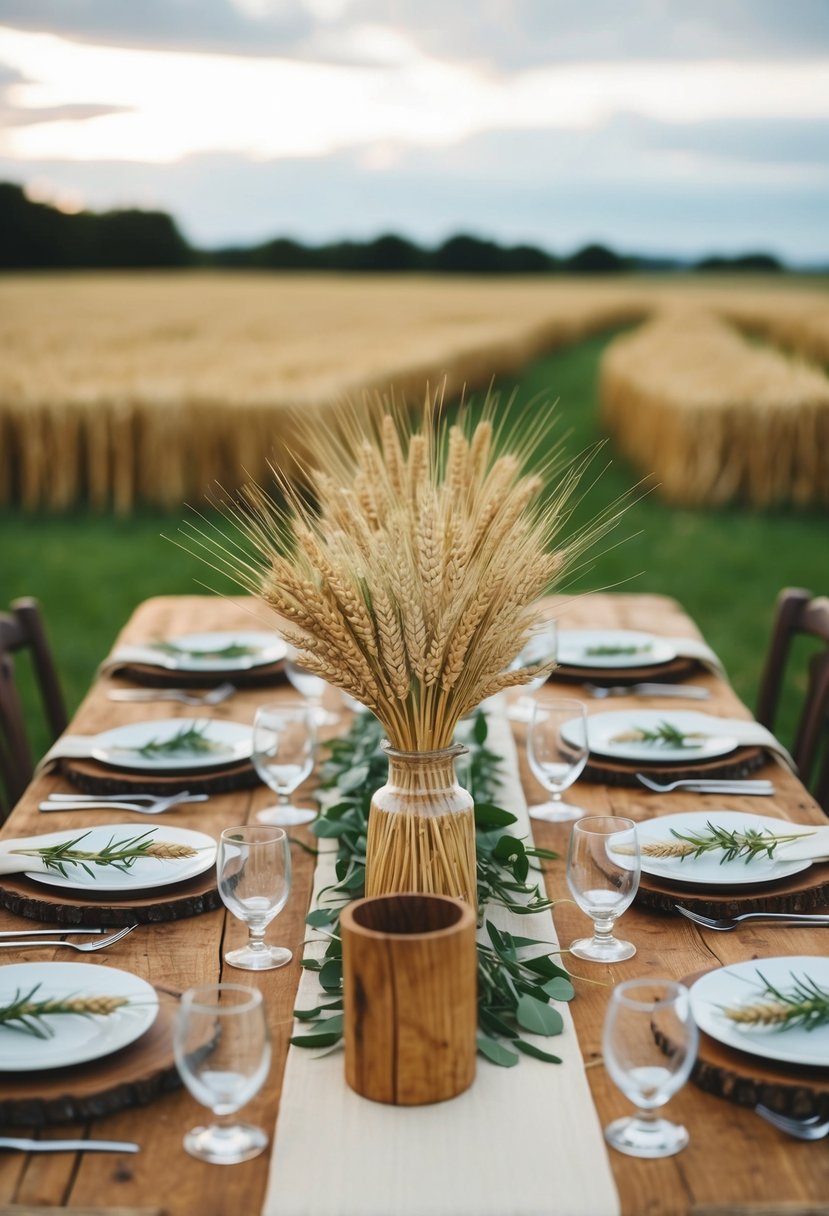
[805, 1004]
[190, 740]
[25, 1014]
[517, 978]
[119, 854]
[746, 844]
[235, 650]
[663, 734]
[618, 650]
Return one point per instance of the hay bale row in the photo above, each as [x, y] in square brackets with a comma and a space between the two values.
[714, 418]
[116, 390]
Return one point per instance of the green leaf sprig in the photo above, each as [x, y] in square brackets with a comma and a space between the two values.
[618, 650]
[740, 844]
[664, 734]
[26, 1014]
[517, 979]
[235, 650]
[117, 854]
[805, 1004]
[191, 740]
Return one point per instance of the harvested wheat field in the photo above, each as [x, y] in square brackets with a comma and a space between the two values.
[716, 418]
[147, 387]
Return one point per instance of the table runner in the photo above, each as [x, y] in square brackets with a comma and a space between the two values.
[523, 1141]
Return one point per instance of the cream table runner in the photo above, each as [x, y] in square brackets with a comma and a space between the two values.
[523, 1141]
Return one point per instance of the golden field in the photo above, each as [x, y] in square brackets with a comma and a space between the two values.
[148, 387]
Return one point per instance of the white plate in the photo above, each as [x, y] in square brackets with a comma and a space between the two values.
[120, 747]
[144, 874]
[709, 869]
[602, 729]
[737, 984]
[75, 1038]
[575, 645]
[265, 648]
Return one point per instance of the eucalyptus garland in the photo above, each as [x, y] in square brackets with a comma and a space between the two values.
[517, 978]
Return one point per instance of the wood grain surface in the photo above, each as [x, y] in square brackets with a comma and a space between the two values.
[735, 1162]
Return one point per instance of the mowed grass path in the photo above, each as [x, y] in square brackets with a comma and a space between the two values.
[725, 567]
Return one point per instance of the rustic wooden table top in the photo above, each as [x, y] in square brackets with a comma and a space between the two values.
[735, 1163]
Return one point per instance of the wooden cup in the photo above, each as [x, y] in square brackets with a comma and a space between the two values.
[409, 984]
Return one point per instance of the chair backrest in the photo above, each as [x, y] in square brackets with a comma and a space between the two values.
[799, 612]
[21, 629]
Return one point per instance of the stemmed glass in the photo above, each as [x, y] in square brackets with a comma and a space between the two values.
[284, 742]
[603, 875]
[223, 1052]
[541, 648]
[650, 1044]
[312, 688]
[557, 751]
[254, 870]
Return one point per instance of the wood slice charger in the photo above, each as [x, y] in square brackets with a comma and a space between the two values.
[93, 778]
[807, 891]
[745, 1079]
[161, 677]
[740, 763]
[133, 1076]
[668, 673]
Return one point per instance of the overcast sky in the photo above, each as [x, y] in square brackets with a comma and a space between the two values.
[658, 126]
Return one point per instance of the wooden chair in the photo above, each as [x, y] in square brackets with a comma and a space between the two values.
[798, 612]
[21, 629]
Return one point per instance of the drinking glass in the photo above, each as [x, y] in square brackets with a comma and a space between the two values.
[223, 1052]
[650, 1044]
[254, 870]
[312, 688]
[284, 743]
[603, 876]
[541, 648]
[557, 752]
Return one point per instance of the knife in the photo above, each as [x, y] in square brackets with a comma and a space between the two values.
[58, 932]
[69, 1146]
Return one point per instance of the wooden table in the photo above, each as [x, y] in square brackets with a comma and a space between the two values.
[735, 1163]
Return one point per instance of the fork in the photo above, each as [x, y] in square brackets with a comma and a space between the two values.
[84, 947]
[156, 804]
[214, 696]
[692, 691]
[727, 923]
[702, 785]
[812, 1128]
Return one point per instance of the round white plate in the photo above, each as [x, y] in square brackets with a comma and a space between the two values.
[603, 728]
[577, 647]
[145, 873]
[737, 985]
[74, 1038]
[120, 747]
[709, 869]
[265, 648]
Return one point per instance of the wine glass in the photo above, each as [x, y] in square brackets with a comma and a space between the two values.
[603, 876]
[223, 1052]
[557, 752]
[650, 1044]
[254, 869]
[541, 648]
[312, 688]
[284, 742]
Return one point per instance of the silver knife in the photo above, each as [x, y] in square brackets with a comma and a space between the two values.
[58, 932]
[69, 1146]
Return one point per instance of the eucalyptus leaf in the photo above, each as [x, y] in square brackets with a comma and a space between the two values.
[331, 975]
[321, 918]
[559, 989]
[537, 1017]
[481, 729]
[354, 779]
[530, 1049]
[325, 1038]
[487, 815]
[495, 1052]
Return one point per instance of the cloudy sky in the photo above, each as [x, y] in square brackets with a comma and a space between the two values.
[659, 126]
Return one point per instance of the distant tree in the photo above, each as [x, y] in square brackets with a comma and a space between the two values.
[391, 252]
[750, 262]
[463, 254]
[527, 259]
[595, 259]
[283, 254]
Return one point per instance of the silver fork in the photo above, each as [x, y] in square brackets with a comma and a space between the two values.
[693, 692]
[213, 696]
[812, 1128]
[84, 947]
[727, 923]
[709, 785]
[149, 804]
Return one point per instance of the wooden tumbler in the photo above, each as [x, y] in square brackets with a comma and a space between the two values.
[409, 986]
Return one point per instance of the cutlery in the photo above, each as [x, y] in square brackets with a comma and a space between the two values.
[56, 932]
[727, 923]
[214, 696]
[69, 1146]
[703, 785]
[155, 803]
[812, 1128]
[692, 692]
[84, 947]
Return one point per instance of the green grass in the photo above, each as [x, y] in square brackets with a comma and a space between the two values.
[724, 566]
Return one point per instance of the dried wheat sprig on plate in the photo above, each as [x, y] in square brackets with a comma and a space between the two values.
[407, 570]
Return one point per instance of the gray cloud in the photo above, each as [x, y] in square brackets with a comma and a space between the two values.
[505, 35]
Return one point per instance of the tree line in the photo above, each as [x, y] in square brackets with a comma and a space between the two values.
[37, 236]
